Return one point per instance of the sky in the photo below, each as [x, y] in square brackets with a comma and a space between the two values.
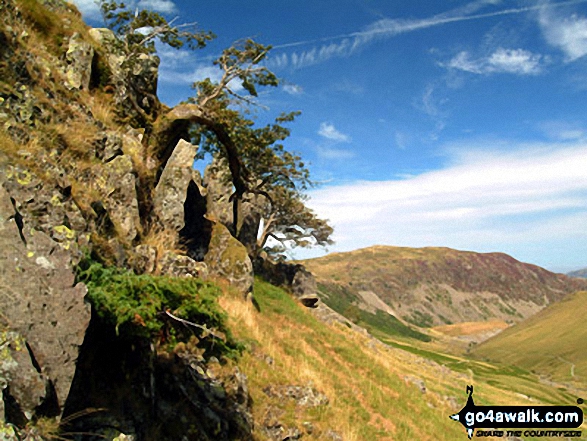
[448, 123]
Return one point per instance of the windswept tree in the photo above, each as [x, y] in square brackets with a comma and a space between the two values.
[256, 160]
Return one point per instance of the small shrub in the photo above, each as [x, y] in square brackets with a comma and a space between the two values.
[167, 309]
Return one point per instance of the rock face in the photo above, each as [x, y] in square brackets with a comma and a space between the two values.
[142, 79]
[79, 63]
[42, 307]
[154, 396]
[294, 277]
[120, 198]
[171, 191]
[227, 259]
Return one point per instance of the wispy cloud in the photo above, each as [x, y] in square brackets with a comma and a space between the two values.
[293, 89]
[334, 153]
[569, 34]
[512, 61]
[328, 131]
[563, 130]
[347, 44]
[482, 201]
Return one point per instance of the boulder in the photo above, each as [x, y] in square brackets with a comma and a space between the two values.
[120, 197]
[176, 265]
[218, 191]
[144, 259]
[79, 63]
[294, 277]
[228, 259]
[305, 396]
[25, 384]
[171, 191]
[40, 303]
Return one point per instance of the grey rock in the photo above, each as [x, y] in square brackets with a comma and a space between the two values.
[294, 277]
[176, 265]
[228, 259]
[39, 300]
[333, 435]
[418, 382]
[303, 395]
[120, 198]
[218, 191]
[110, 146]
[171, 191]
[144, 259]
[27, 386]
[79, 63]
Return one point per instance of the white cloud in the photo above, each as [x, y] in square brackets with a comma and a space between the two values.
[167, 74]
[89, 9]
[514, 61]
[569, 34]
[163, 6]
[293, 89]
[483, 201]
[330, 132]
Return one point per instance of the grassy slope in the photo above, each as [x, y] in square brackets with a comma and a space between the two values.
[370, 398]
[549, 342]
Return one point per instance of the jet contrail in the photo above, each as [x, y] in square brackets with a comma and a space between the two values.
[397, 26]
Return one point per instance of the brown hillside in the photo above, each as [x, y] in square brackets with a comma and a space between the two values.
[436, 286]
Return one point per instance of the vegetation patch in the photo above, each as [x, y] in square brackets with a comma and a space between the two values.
[168, 309]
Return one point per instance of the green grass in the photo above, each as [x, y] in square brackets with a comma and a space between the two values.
[380, 324]
[550, 342]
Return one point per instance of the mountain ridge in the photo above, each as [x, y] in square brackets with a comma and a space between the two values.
[438, 285]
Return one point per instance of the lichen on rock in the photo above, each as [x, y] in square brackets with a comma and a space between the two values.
[228, 259]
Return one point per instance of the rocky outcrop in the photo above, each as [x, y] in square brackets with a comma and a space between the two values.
[153, 395]
[79, 63]
[176, 265]
[228, 259]
[171, 191]
[294, 277]
[135, 86]
[120, 197]
[43, 312]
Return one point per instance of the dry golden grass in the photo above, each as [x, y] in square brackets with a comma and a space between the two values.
[370, 386]
[102, 107]
[470, 328]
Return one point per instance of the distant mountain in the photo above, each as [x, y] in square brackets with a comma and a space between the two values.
[578, 273]
[551, 342]
[437, 286]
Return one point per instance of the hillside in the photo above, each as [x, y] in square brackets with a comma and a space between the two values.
[552, 342]
[578, 273]
[437, 286]
[375, 391]
[130, 311]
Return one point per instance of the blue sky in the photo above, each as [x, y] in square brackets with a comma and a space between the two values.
[448, 123]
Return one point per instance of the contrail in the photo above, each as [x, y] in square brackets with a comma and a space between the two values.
[396, 26]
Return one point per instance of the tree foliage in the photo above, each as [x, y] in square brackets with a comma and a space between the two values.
[217, 118]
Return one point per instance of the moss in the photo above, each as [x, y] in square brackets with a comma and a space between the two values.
[167, 310]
